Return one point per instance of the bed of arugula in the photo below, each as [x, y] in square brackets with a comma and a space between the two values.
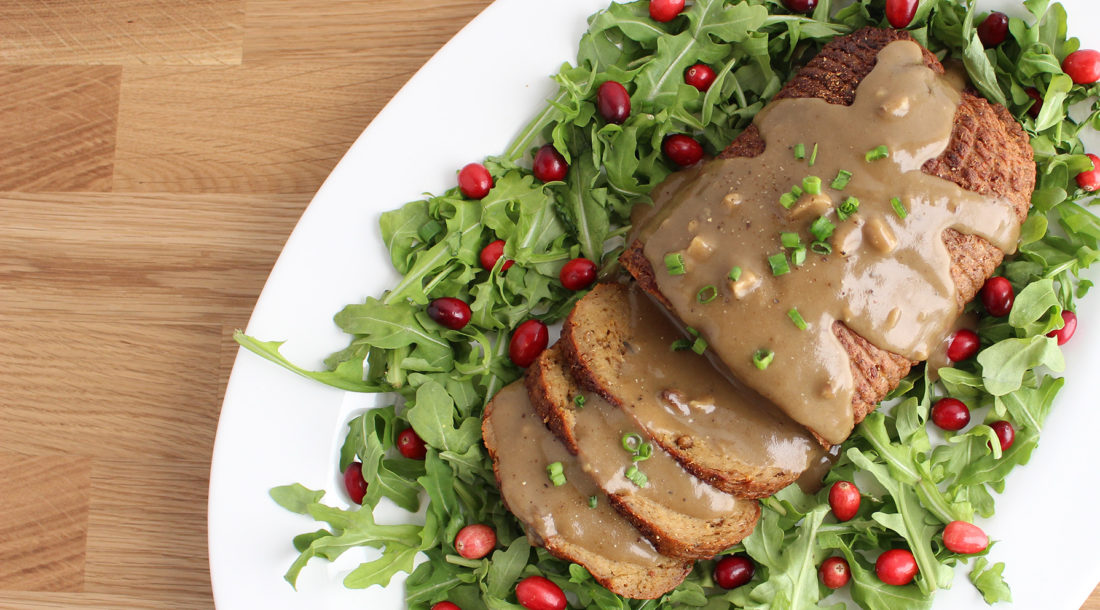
[912, 484]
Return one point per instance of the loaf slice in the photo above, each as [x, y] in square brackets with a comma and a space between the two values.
[681, 515]
[988, 153]
[614, 325]
[560, 518]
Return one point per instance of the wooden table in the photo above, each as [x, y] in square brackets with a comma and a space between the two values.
[155, 156]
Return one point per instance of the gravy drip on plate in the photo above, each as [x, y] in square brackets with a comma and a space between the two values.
[525, 448]
[887, 276]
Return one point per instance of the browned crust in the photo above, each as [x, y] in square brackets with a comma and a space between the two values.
[738, 478]
[988, 153]
[626, 580]
[672, 533]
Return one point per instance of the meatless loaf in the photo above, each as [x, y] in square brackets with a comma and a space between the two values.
[988, 153]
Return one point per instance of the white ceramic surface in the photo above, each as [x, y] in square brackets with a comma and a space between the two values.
[466, 103]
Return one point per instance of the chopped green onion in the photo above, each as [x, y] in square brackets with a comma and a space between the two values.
[692, 331]
[762, 358]
[429, 230]
[787, 200]
[798, 256]
[796, 190]
[699, 346]
[680, 345]
[846, 209]
[555, 471]
[735, 274]
[579, 401]
[706, 294]
[592, 501]
[631, 442]
[899, 208]
[644, 452]
[813, 156]
[674, 262]
[796, 317]
[822, 229]
[790, 240]
[843, 177]
[877, 153]
[812, 185]
[800, 151]
[779, 264]
[821, 247]
[636, 476]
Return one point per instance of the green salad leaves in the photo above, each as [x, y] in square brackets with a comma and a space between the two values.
[913, 482]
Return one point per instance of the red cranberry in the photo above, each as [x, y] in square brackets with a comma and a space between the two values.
[900, 13]
[997, 296]
[491, 253]
[538, 593]
[1036, 104]
[550, 165]
[733, 571]
[699, 76]
[528, 342]
[896, 567]
[1082, 66]
[578, 274]
[450, 312]
[994, 29]
[613, 102]
[411, 445]
[1090, 179]
[474, 181]
[800, 6]
[354, 482]
[963, 345]
[683, 150]
[446, 606]
[835, 572]
[665, 10]
[950, 414]
[1069, 326]
[475, 541]
[844, 500]
[1006, 434]
[964, 538]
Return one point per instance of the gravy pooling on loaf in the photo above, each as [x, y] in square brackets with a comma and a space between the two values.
[524, 449]
[887, 277]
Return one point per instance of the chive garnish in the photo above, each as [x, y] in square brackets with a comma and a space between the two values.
[674, 262]
[636, 476]
[877, 153]
[812, 185]
[631, 442]
[796, 317]
[644, 452]
[779, 264]
[899, 208]
[787, 200]
[680, 345]
[579, 400]
[699, 346]
[762, 358]
[843, 177]
[796, 190]
[822, 229]
[591, 501]
[790, 240]
[846, 209]
[691, 331]
[735, 274]
[821, 247]
[813, 156]
[798, 256]
[556, 472]
[706, 294]
[800, 151]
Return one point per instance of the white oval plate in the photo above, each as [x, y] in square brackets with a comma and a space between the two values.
[466, 103]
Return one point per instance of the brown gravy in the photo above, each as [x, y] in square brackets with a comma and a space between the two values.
[888, 274]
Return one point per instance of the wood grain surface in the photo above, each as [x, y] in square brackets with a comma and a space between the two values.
[155, 156]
